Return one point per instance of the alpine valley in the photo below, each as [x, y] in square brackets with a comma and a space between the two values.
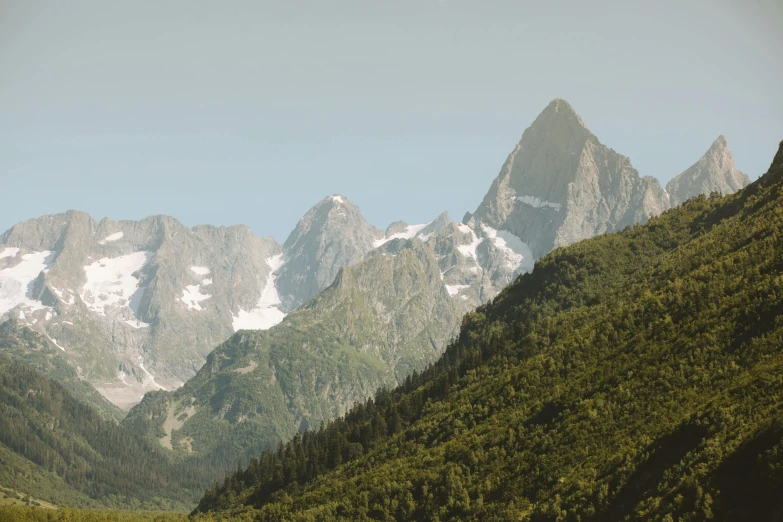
[207, 345]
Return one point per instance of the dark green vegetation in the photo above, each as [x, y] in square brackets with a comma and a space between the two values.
[33, 514]
[60, 450]
[19, 343]
[378, 321]
[633, 376]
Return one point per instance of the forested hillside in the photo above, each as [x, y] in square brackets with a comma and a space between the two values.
[20, 343]
[633, 376]
[378, 321]
[62, 451]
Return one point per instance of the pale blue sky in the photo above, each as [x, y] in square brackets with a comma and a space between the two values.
[250, 112]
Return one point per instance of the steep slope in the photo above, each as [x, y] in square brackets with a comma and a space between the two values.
[714, 172]
[633, 376]
[60, 450]
[376, 323]
[332, 234]
[136, 306]
[19, 343]
[475, 259]
[561, 185]
[20, 474]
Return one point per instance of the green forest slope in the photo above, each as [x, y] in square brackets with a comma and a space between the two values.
[378, 321]
[60, 450]
[632, 376]
[19, 343]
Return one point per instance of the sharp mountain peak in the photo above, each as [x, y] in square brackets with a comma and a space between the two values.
[714, 171]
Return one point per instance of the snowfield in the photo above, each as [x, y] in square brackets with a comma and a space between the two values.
[266, 313]
[539, 203]
[110, 238]
[455, 289]
[410, 232]
[9, 252]
[111, 283]
[16, 282]
[192, 296]
[469, 250]
[515, 251]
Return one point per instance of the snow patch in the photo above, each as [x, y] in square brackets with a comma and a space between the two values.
[152, 384]
[199, 270]
[9, 252]
[59, 293]
[16, 282]
[121, 376]
[54, 341]
[136, 324]
[469, 250]
[515, 251]
[410, 232]
[338, 199]
[266, 313]
[206, 282]
[455, 289]
[110, 282]
[535, 202]
[110, 238]
[192, 296]
[68, 323]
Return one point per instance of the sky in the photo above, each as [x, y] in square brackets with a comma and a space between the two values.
[250, 112]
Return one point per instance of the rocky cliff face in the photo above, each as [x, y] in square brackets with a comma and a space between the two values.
[714, 172]
[560, 185]
[332, 234]
[135, 306]
[377, 322]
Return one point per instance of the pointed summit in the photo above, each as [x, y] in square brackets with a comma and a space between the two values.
[560, 184]
[329, 236]
[561, 108]
[558, 119]
[714, 172]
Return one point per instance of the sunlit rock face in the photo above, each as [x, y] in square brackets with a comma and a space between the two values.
[135, 305]
[714, 172]
[560, 185]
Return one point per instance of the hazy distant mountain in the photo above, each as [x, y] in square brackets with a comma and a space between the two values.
[631, 376]
[377, 322]
[714, 172]
[21, 344]
[136, 306]
[561, 185]
[332, 234]
[400, 298]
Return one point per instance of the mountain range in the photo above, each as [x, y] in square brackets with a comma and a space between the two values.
[630, 376]
[308, 328]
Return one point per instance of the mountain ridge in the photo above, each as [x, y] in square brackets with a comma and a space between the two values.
[163, 295]
[598, 387]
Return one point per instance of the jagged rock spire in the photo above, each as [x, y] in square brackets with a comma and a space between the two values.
[715, 171]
